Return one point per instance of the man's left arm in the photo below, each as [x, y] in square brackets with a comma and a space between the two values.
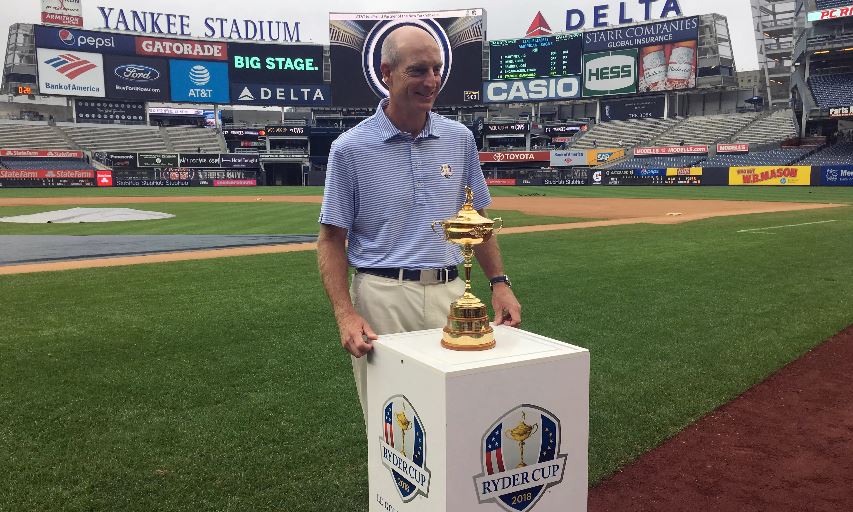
[506, 306]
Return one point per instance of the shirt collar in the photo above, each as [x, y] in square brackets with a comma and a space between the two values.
[388, 131]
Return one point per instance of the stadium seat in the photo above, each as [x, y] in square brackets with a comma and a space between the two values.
[24, 135]
[832, 90]
[48, 164]
[786, 156]
[706, 129]
[770, 129]
[186, 139]
[626, 134]
[829, 4]
[836, 154]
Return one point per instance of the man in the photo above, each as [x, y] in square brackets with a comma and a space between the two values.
[387, 180]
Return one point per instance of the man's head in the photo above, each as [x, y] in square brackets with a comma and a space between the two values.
[411, 68]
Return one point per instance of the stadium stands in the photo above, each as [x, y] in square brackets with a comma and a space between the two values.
[832, 90]
[829, 4]
[786, 156]
[114, 138]
[776, 127]
[31, 136]
[623, 133]
[47, 164]
[836, 154]
[706, 129]
[189, 140]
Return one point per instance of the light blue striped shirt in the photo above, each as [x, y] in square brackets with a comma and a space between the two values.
[386, 188]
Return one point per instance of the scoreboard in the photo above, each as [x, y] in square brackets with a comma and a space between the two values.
[534, 57]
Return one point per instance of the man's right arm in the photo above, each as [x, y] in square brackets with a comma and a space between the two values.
[332, 260]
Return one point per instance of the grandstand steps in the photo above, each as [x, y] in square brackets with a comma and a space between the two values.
[170, 146]
[672, 128]
[191, 139]
[761, 115]
[705, 130]
[775, 127]
[64, 136]
[116, 138]
[31, 135]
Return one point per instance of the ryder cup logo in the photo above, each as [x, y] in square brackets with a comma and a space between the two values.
[403, 448]
[514, 477]
[372, 52]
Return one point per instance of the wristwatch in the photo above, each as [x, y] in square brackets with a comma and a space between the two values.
[499, 279]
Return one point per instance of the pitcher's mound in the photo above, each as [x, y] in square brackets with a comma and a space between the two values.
[77, 215]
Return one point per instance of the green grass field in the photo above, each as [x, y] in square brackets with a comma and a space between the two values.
[219, 385]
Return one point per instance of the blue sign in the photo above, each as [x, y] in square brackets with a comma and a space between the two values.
[650, 172]
[635, 36]
[602, 15]
[199, 81]
[281, 94]
[836, 175]
[136, 78]
[60, 38]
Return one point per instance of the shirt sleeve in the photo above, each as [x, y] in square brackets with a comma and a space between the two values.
[338, 207]
[474, 175]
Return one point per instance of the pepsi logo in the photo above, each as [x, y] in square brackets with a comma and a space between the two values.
[66, 37]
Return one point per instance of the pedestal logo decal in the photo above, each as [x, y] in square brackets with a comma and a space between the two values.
[521, 458]
[403, 448]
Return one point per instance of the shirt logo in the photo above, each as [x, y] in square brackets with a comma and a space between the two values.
[446, 170]
[515, 478]
[403, 448]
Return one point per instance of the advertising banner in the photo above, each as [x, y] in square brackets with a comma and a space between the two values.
[671, 150]
[649, 107]
[77, 40]
[356, 42]
[602, 156]
[643, 177]
[109, 111]
[536, 57]
[837, 175]
[568, 158]
[157, 160]
[198, 81]
[62, 12]
[240, 161]
[274, 64]
[831, 14]
[200, 160]
[537, 89]
[287, 131]
[515, 156]
[732, 148]
[668, 67]
[684, 171]
[663, 32]
[506, 129]
[771, 175]
[235, 183]
[500, 182]
[841, 111]
[40, 153]
[281, 94]
[47, 182]
[66, 73]
[136, 78]
[181, 49]
[564, 130]
[10, 174]
[120, 160]
[104, 178]
[610, 73]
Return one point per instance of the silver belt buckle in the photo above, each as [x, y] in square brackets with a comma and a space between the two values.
[428, 277]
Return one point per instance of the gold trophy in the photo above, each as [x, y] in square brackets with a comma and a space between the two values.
[405, 425]
[522, 433]
[468, 322]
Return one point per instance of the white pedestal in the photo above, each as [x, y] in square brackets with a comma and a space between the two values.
[459, 410]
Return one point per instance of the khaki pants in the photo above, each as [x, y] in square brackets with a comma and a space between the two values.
[393, 305]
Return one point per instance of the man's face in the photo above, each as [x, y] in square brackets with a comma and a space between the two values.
[416, 80]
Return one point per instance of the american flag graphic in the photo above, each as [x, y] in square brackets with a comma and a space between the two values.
[494, 455]
[70, 65]
[389, 424]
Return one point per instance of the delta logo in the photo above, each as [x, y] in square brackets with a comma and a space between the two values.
[70, 65]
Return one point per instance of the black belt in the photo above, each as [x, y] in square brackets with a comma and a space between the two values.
[426, 276]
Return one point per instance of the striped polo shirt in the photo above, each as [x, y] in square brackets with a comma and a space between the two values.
[386, 188]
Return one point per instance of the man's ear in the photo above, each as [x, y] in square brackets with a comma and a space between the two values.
[386, 72]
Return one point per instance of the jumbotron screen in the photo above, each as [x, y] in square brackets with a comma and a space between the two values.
[534, 57]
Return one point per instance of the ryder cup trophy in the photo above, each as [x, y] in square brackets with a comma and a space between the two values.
[468, 322]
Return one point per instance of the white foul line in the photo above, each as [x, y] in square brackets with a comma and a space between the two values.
[787, 226]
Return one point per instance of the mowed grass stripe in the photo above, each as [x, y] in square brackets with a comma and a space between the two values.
[215, 218]
[220, 385]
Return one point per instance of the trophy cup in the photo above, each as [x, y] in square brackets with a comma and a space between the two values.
[468, 322]
[405, 425]
[522, 433]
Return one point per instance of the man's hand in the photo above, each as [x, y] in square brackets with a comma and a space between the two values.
[353, 330]
[506, 306]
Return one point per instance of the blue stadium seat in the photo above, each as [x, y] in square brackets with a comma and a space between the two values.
[832, 90]
[836, 154]
[772, 157]
[829, 4]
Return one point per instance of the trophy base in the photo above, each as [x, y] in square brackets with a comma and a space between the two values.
[466, 342]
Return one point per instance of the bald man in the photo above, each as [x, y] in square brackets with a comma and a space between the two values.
[387, 180]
